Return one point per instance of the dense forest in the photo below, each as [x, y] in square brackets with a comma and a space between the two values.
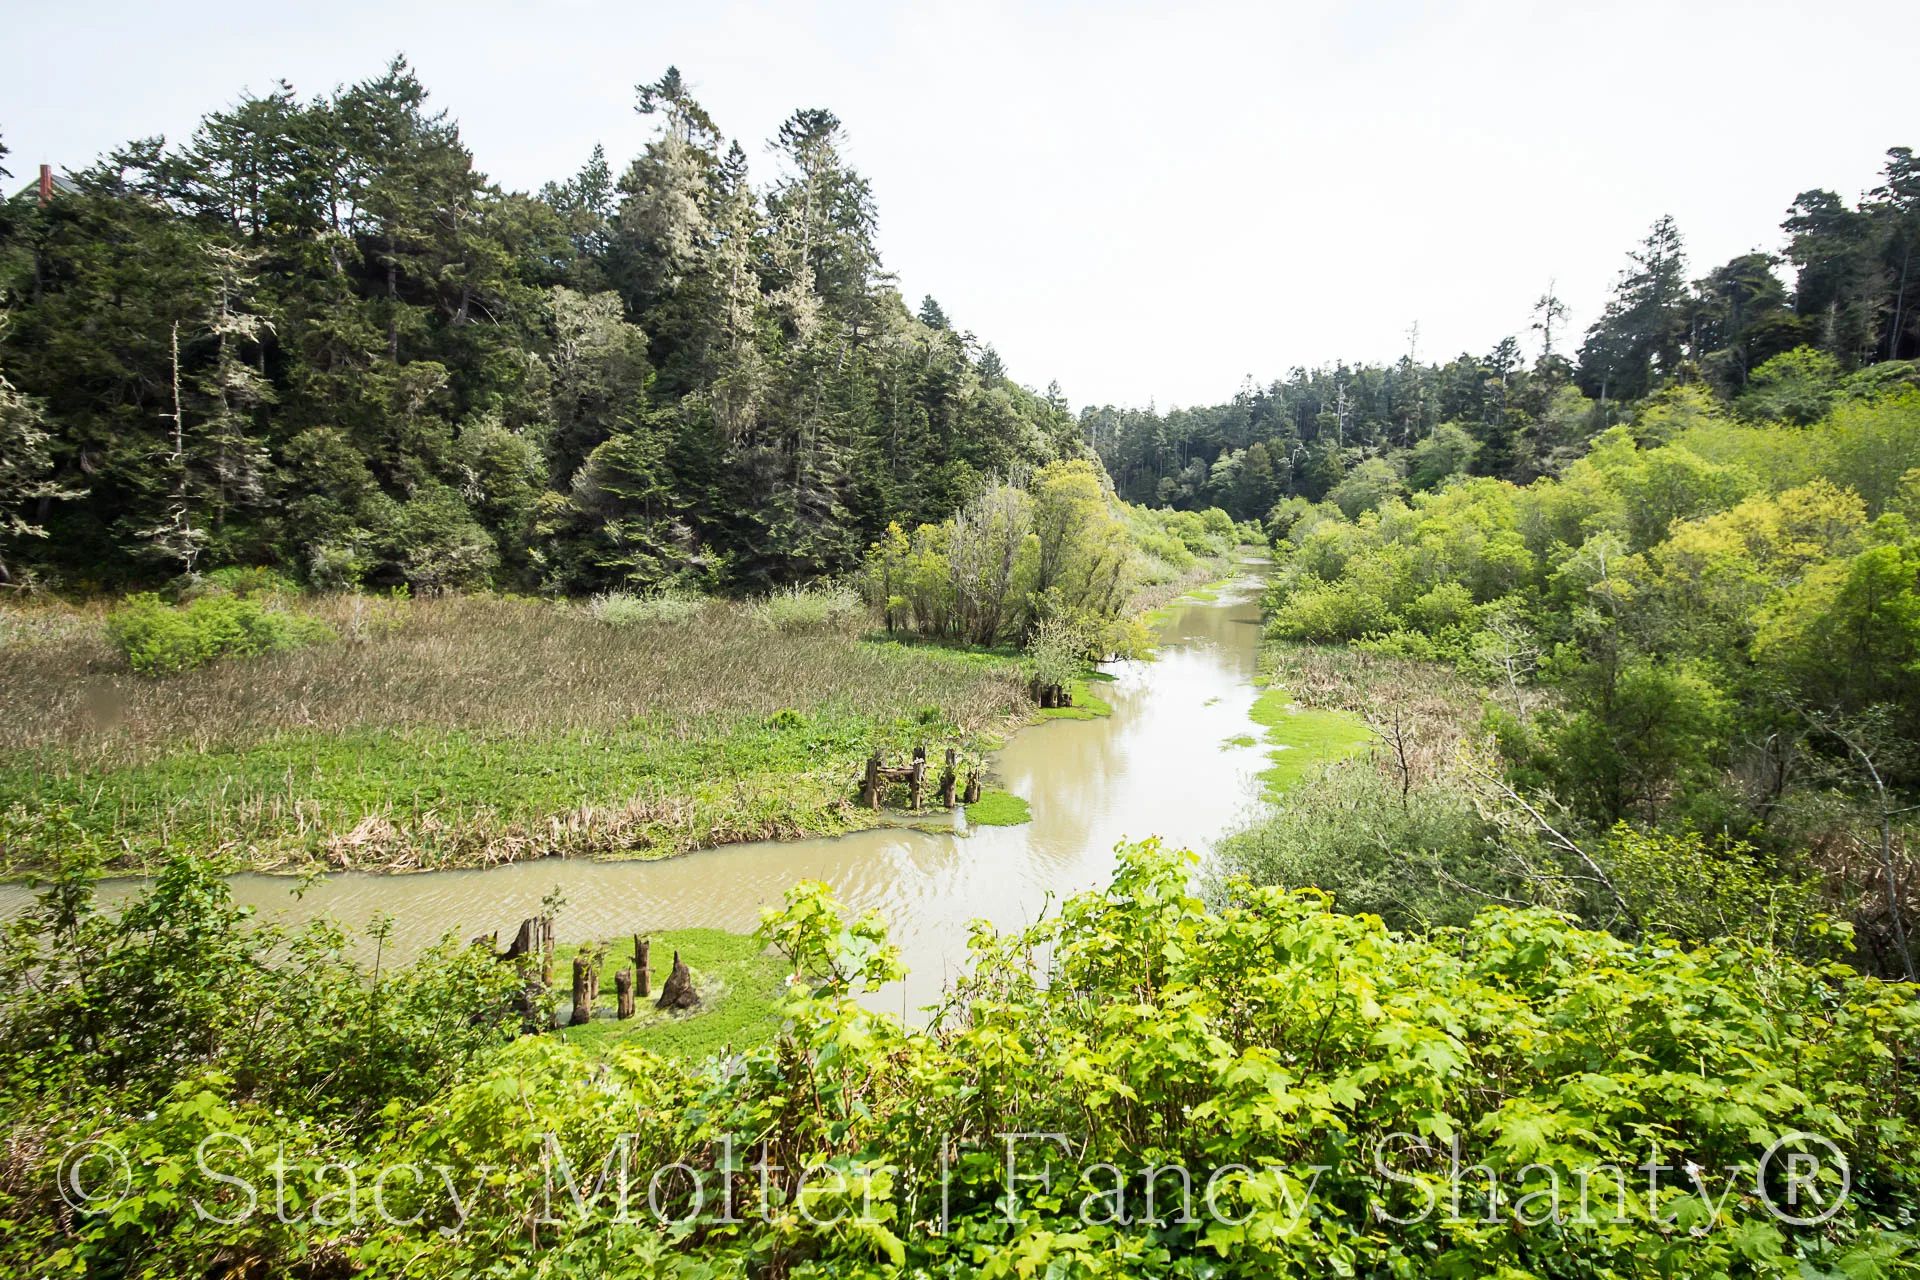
[316, 337]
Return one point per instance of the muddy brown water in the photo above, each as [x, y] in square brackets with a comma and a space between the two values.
[1160, 765]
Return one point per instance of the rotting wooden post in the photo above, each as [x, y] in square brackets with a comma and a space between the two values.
[677, 991]
[972, 793]
[948, 777]
[623, 989]
[643, 970]
[582, 989]
[523, 942]
[870, 784]
[917, 780]
[491, 941]
[546, 950]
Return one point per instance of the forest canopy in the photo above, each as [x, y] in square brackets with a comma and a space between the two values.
[316, 336]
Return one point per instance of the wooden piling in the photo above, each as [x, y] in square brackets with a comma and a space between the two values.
[948, 778]
[917, 780]
[643, 970]
[870, 784]
[623, 989]
[972, 794]
[582, 989]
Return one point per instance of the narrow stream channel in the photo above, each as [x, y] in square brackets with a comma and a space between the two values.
[1160, 765]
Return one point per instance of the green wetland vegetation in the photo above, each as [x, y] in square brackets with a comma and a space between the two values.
[358, 514]
[471, 730]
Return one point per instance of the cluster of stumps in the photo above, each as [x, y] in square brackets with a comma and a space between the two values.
[532, 953]
[879, 776]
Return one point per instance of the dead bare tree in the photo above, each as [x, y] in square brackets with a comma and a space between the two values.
[1489, 776]
[1871, 756]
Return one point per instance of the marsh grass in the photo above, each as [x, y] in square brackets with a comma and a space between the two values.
[1301, 737]
[1417, 713]
[464, 731]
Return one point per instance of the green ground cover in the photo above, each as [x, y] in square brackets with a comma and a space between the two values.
[739, 984]
[472, 731]
[1301, 737]
[996, 808]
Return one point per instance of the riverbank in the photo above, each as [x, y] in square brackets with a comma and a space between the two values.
[474, 731]
[477, 731]
[1074, 788]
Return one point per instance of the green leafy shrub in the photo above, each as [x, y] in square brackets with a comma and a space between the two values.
[619, 609]
[258, 581]
[160, 640]
[1321, 612]
[1058, 652]
[1348, 1101]
[821, 607]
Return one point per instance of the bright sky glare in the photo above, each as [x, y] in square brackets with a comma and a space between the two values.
[1145, 202]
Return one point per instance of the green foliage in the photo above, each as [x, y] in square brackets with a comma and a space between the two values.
[619, 609]
[1325, 1069]
[1057, 650]
[815, 608]
[1060, 548]
[390, 370]
[1422, 859]
[1365, 487]
[1448, 452]
[157, 639]
[179, 980]
[1696, 890]
[835, 956]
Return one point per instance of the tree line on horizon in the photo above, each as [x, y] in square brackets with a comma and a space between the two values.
[1771, 352]
[316, 336]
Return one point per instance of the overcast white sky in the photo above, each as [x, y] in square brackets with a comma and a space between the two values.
[1142, 201]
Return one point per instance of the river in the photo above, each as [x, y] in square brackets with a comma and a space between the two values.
[1160, 765]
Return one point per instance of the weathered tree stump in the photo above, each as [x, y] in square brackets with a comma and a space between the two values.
[532, 955]
[870, 784]
[677, 991]
[917, 782]
[643, 969]
[948, 777]
[623, 991]
[972, 793]
[582, 989]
